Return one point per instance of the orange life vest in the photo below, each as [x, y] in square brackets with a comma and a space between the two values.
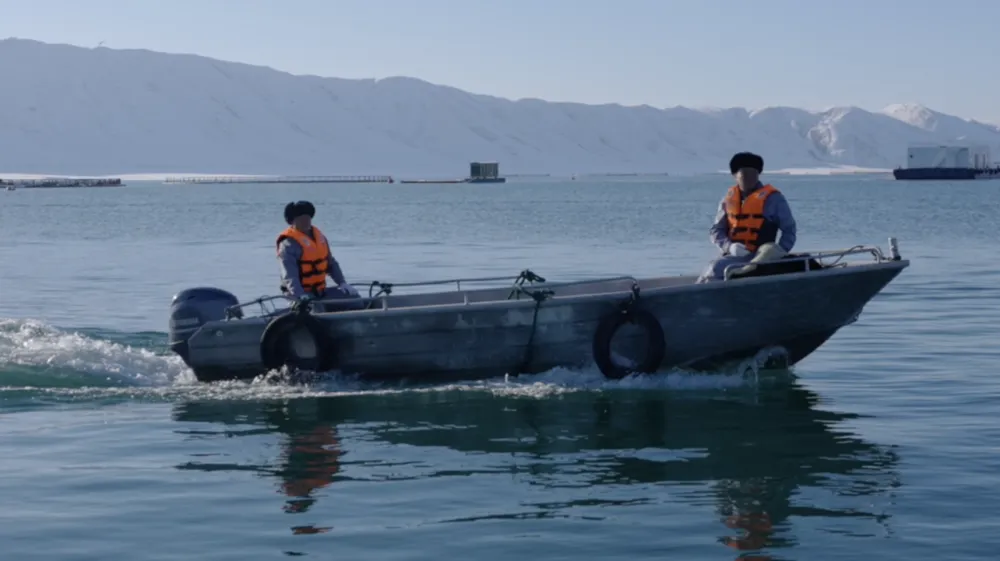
[314, 262]
[746, 217]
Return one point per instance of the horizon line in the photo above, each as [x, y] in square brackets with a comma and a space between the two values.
[162, 176]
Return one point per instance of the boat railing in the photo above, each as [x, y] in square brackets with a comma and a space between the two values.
[381, 288]
[520, 285]
[266, 303]
[878, 256]
[385, 288]
[526, 283]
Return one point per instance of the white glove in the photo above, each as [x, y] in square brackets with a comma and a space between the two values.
[348, 289]
[738, 250]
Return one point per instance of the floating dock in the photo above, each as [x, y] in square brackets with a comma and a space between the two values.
[207, 180]
[485, 172]
[479, 172]
[433, 181]
[59, 182]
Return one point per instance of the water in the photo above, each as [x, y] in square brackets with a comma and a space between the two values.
[882, 444]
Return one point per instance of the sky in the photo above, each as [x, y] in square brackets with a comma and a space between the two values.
[812, 54]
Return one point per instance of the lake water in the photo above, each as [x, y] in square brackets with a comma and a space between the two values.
[881, 445]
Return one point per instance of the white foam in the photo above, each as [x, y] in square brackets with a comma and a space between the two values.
[830, 170]
[32, 343]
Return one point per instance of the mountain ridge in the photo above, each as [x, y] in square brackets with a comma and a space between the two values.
[83, 110]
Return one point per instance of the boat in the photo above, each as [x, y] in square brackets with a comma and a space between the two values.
[788, 307]
[946, 174]
[947, 163]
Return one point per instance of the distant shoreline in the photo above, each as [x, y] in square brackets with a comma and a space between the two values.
[840, 170]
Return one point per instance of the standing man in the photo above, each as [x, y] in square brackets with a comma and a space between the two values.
[306, 260]
[749, 216]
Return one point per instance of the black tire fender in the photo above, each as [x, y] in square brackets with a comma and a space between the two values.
[275, 351]
[605, 332]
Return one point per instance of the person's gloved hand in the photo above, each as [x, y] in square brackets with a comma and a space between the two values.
[738, 250]
[347, 289]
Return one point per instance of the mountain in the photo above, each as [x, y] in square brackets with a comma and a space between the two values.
[74, 110]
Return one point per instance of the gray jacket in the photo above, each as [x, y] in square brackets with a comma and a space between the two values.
[776, 210]
[289, 253]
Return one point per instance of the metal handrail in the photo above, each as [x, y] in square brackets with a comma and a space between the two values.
[386, 288]
[875, 251]
[517, 285]
[235, 311]
[458, 282]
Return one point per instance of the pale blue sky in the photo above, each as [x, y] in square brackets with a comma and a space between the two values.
[805, 53]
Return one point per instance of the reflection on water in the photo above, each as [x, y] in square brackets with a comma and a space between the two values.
[763, 462]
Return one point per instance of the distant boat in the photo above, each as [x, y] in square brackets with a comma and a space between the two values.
[946, 174]
[947, 163]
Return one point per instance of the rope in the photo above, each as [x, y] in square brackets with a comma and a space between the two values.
[383, 288]
[626, 305]
[526, 275]
[538, 296]
[840, 257]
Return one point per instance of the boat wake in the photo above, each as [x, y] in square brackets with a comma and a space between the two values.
[41, 364]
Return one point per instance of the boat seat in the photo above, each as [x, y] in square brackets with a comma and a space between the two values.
[782, 266]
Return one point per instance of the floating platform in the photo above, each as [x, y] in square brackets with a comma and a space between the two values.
[432, 181]
[206, 180]
[479, 172]
[485, 172]
[453, 181]
[63, 182]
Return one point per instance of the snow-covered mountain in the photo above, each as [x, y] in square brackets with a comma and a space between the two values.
[74, 110]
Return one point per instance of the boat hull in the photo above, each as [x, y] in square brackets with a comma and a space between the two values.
[480, 334]
[945, 174]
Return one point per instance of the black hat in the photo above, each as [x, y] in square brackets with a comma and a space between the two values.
[746, 160]
[298, 209]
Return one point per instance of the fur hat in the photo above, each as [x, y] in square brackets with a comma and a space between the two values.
[746, 160]
[298, 209]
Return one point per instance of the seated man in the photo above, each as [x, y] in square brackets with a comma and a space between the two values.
[749, 216]
[306, 260]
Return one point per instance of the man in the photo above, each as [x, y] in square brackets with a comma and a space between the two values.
[306, 260]
[749, 216]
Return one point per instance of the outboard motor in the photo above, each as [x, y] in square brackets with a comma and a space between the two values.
[193, 307]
